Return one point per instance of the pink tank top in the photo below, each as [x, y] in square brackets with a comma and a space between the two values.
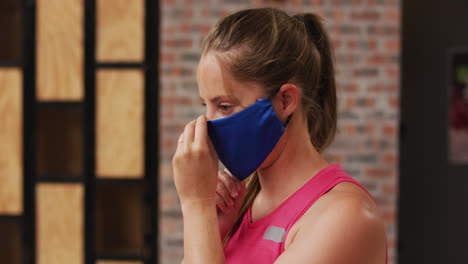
[263, 241]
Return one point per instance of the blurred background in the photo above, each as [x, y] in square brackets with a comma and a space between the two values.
[94, 94]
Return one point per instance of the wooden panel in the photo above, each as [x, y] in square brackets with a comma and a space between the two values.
[120, 30]
[60, 223]
[119, 134]
[60, 49]
[11, 142]
[118, 262]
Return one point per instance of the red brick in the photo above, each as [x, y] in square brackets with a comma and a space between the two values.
[350, 129]
[167, 58]
[383, 88]
[392, 45]
[365, 15]
[372, 44]
[353, 44]
[380, 59]
[350, 103]
[378, 172]
[389, 159]
[394, 102]
[168, 199]
[336, 43]
[389, 188]
[168, 225]
[352, 87]
[370, 129]
[389, 130]
[370, 102]
[392, 15]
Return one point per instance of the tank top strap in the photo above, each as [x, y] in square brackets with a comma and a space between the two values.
[308, 194]
[287, 213]
[300, 201]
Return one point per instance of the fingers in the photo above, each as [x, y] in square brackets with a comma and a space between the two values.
[231, 183]
[229, 191]
[224, 193]
[195, 132]
[179, 143]
[221, 204]
[189, 134]
[201, 133]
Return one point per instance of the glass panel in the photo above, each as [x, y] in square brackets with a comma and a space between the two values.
[60, 227]
[59, 141]
[11, 142]
[119, 219]
[10, 21]
[60, 49]
[10, 243]
[119, 128]
[120, 30]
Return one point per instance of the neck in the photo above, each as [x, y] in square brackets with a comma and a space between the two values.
[296, 164]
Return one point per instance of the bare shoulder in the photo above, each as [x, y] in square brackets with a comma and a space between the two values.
[343, 226]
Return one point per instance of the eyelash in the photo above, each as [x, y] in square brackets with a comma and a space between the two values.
[223, 108]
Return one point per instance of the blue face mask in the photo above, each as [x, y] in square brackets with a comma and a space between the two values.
[245, 139]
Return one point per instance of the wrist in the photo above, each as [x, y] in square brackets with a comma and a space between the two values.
[198, 205]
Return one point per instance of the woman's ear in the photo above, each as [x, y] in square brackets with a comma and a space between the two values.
[288, 97]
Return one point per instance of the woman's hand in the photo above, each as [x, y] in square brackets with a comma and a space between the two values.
[230, 193]
[195, 165]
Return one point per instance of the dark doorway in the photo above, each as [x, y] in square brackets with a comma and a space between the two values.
[433, 203]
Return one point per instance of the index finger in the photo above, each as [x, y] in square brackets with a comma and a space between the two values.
[201, 129]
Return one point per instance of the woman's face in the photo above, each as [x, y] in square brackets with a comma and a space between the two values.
[220, 92]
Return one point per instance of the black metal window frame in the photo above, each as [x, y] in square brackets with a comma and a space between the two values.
[150, 67]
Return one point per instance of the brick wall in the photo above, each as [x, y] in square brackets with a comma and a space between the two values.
[366, 37]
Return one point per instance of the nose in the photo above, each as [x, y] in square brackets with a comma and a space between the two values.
[210, 113]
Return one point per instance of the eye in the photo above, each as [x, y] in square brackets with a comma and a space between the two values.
[225, 107]
[203, 104]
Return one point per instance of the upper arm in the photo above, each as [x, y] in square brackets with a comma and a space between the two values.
[347, 232]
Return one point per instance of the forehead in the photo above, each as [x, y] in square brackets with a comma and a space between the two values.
[215, 80]
[211, 77]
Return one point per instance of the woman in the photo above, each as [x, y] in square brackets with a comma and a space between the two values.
[267, 80]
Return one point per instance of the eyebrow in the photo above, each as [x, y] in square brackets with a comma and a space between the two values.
[222, 97]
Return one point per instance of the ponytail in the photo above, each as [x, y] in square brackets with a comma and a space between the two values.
[321, 97]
